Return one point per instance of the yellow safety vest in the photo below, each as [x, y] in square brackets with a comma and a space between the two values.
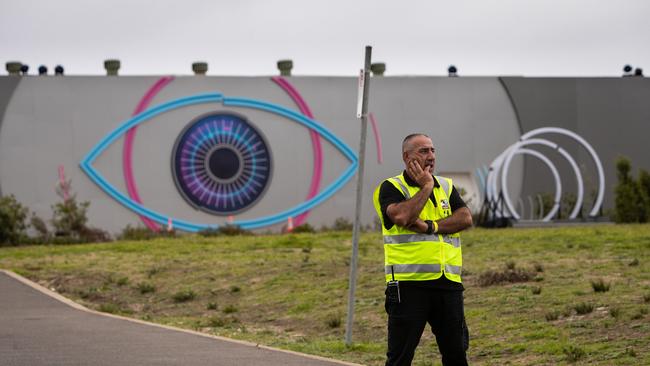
[419, 257]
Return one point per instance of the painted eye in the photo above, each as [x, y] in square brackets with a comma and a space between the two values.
[221, 162]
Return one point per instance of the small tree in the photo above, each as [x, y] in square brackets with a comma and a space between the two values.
[12, 220]
[629, 205]
[69, 217]
[644, 192]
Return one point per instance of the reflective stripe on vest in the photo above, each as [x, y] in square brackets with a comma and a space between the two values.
[444, 184]
[453, 269]
[412, 238]
[405, 191]
[421, 268]
[413, 268]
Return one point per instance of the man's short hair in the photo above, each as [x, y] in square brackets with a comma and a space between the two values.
[408, 138]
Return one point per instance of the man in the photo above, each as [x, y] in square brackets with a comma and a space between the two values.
[421, 217]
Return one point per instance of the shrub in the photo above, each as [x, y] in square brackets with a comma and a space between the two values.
[234, 289]
[304, 228]
[490, 277]
[41, 227]
[209, 232]
[211, 306]
[333, 321]
[629, 203]
[184, 296]
[230, 309]
[573, 353]
[137, 233]
[583, 308]
[552, 315]
[216, 322]
[615, 312]
[232, 230]
[109, 308]
[342, 224]
[644, 193]
[634, 262]
[145, 288]
[600, 285]
[536, 290]
[646, 298]
[69, 217]
[12, 220]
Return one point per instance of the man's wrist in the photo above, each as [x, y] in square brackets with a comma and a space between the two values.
[429, 226]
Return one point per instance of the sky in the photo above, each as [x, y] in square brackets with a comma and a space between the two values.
[248, 37]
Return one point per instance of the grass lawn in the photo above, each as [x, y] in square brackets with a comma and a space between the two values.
[290, 291]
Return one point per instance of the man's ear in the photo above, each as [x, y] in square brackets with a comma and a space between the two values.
[405, 157]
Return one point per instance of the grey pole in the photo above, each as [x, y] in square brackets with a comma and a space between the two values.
[357, 212]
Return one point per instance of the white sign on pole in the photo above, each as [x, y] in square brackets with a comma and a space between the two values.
[362, 81]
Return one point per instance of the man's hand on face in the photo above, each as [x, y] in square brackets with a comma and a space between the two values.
[422, 176]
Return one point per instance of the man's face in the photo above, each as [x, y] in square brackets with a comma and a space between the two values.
[421, 150]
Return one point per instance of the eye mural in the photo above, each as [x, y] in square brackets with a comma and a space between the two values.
[221, 163]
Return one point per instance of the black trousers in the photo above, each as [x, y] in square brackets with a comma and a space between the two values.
[444, 312]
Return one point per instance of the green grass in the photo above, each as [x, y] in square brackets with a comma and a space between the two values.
[268, 293]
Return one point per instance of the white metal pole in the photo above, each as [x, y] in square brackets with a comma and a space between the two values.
[357, 214]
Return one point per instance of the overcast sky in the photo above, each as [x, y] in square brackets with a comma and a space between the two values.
[247, 37]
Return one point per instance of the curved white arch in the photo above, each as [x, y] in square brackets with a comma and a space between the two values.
[599, 166]
[556, 176]
[567, 156]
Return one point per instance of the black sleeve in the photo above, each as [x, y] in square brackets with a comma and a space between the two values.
[388, 194]
[455, 201]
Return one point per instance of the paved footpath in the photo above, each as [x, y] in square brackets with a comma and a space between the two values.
[39, 327]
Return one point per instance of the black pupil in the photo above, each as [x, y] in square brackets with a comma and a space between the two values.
[224, 163]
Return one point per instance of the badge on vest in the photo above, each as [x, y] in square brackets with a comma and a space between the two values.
[444, 204]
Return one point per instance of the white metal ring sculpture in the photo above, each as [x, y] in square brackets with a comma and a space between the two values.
[506, 165]
[500, 165]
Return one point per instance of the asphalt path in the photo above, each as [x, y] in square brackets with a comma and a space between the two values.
[39, 327]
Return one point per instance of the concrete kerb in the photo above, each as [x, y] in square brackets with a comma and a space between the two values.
[80, 307]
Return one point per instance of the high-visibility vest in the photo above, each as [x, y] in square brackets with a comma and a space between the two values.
[412, 256]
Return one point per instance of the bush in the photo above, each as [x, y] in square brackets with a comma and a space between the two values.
[12, 220]
[226, 229]
[552, 315]
[333, 321]
[629, 202]
[209, 232]
[69, 217]
[184, 296]
[342, 224]
[145, 288]
[583, 308]
[644, 193]
[574, 353]
[137, 233]
[600, 285]
[304, 228]
[229, 309]
[510, 275]
[41, 227]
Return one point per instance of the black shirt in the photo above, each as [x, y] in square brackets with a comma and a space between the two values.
[389, 194]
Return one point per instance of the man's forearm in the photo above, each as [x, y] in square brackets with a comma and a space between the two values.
[406, 212]
[460, 220]
[450, 225]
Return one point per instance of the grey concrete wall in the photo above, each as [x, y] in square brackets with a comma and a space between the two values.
[56, 121]
[612, 114]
